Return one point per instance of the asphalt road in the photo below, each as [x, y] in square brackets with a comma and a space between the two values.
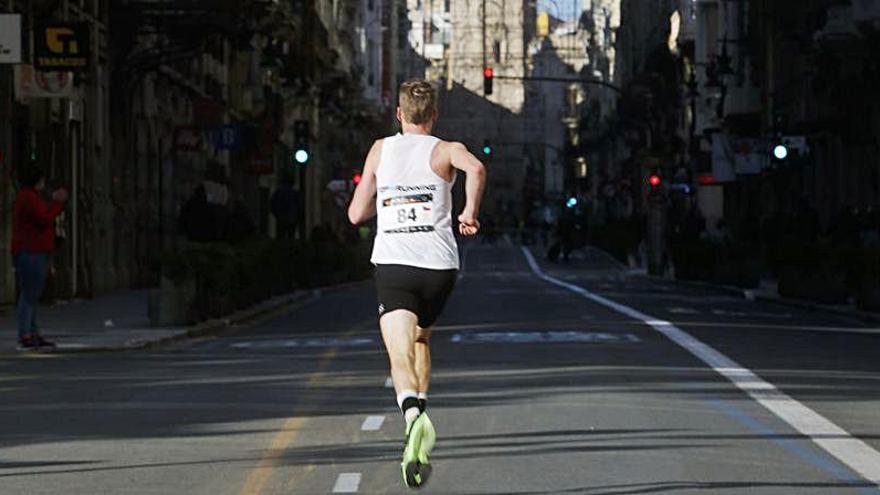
[537, 388]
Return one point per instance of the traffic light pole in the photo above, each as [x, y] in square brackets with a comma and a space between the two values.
[484, 35]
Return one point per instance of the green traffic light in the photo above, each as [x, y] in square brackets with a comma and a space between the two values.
[301, 156]
[487, 150]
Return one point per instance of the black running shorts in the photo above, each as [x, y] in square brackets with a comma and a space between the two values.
[420, 290]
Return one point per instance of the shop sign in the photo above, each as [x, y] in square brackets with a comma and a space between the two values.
[31, 83]
[62, 46]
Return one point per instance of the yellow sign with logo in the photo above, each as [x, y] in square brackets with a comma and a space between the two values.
[543, 24]
[62, 46]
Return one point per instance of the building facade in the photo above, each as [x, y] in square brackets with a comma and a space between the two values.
[181, 97]
[799, 73]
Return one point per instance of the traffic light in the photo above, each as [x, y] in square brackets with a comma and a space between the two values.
[356, 178]
[571, 202]
[780, 151]
[301, 138]
[654, 180]
[488, 75]
[487, 147]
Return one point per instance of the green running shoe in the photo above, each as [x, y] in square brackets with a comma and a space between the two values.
[420, 439]
[429, 436]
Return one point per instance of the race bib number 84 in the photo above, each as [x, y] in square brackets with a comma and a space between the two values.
[407, 214]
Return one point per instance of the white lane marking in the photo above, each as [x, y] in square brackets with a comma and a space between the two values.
[347, 483]
[389, 383]
[856, 454]
[372, 423]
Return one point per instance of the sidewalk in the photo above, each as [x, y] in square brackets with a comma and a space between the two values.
[119, 321]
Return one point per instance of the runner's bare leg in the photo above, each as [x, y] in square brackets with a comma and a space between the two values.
[399, 334]
[423, 359]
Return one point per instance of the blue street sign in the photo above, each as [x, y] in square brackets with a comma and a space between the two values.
[228, 137]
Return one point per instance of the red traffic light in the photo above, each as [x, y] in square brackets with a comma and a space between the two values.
[654, 180]
[356, 178]
[488, 72]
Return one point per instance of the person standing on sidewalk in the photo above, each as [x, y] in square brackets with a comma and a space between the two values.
[33, 240]
[407, 181]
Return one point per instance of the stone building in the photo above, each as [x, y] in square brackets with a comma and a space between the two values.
[175, 90]
[498, 38]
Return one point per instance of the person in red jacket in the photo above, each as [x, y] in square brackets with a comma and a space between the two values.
[33, 240]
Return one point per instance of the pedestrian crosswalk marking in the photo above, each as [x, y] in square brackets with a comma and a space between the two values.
[855, 453]
[543, 337]
[724, 312]
[753, 314]
[372, 423]
[307, 342]
[347, 483]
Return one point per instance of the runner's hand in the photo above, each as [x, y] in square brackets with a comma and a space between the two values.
[468, 224]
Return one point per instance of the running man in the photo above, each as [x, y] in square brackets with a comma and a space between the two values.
[407, 181]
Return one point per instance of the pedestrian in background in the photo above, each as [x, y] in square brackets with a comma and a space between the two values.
[205, 215]
[33, 240]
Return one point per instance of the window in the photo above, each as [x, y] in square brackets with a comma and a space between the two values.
[496, 51]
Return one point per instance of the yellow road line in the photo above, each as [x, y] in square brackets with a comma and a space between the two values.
[258, 477]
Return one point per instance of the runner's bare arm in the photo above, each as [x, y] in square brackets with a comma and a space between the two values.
[464, 160]
[363, 202]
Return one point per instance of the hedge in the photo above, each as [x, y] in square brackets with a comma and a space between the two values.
[828, 274]
[620, 238]
[727, 264]
[233, 277]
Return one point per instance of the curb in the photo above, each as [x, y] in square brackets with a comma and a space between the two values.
[214, 326]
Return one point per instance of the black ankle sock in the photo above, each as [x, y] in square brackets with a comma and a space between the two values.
[408, 403]
[423, 404]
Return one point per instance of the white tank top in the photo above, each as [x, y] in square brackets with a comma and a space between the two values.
[414, 207]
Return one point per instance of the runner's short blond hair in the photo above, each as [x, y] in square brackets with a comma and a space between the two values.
[418, 101]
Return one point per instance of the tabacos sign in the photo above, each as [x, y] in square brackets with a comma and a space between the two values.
[62, 46]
